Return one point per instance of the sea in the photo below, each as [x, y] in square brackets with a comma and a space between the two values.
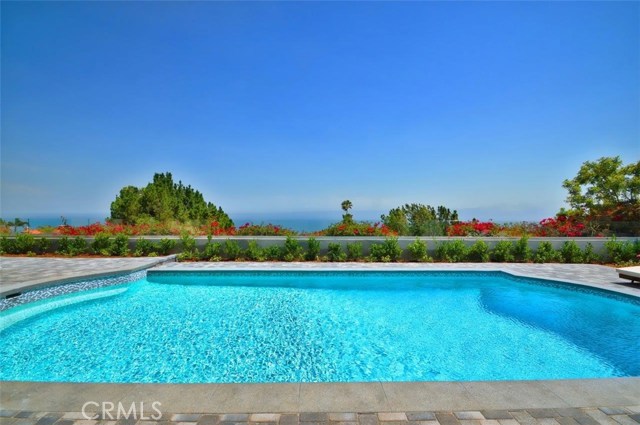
[297, 222]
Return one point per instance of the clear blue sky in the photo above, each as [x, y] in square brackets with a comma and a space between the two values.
[282, 106]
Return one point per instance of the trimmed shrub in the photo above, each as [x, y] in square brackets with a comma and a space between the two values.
[571, 253]
[165, 246]
[622, 252]
[335, 253]
[478, 252]
[502, 252]
[354, 251]
[254, 252]
[101, 244]
[451, 251]
[418, 251]
[388, 251]
[120, 245]
[273, 253]
[292, 250]
[189, 248]
[72, 247]
[212, 251]
[313, 250]
[232, 250]
[589, 255]
[144, 248]
[521, 251]
[546, 254]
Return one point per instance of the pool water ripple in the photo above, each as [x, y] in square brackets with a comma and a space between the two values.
[327, 327]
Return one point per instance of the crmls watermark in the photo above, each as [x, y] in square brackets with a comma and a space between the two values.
[108, 410]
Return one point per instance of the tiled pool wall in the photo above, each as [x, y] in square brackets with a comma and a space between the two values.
[76, 285]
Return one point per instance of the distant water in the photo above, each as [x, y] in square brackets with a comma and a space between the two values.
[297, 223]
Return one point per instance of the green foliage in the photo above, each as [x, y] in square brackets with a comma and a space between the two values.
[418, 251]
[589, 255]
[144, 248]
[546, 254]
[273, 253]
[607, 193]
[120, 245]
[502, 252]
[521, 251]
[419, 219]
[42, 245]
[212, 251]
[164, 200]
[24, 243]
[165, 246]
[72, 247]
[622, 252]
[354, 251]
[451, 251]
[232, 250]
[6, 245]
[335, 253]
[313, 249]
[101, 244]
[293, 251]
[478, 252]
[254, 252]
[571, 253]
[189, 248]
[388, 251]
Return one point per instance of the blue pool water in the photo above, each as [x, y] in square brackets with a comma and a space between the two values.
[323, 326]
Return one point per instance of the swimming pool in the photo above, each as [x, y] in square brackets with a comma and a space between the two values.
[318, 326]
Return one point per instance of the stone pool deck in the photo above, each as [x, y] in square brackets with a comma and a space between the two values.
[550, 402]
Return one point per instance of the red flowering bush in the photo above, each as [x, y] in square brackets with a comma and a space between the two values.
[353, 228]
[561, 225]
[473, 228]
[250, 229]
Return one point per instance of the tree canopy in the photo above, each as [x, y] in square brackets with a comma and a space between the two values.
[606, 191]
[419, 219]
[163, 200]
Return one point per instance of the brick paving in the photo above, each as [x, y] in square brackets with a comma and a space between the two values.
[617, 415]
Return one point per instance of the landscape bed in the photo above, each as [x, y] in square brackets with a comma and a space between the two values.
[321, 326]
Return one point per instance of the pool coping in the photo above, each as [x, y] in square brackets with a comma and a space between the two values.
[333, 397]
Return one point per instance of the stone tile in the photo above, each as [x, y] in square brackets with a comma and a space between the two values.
[523, 417]
[313, 417]
[547, 421]
[496, 414]
[566, 420]
[392, 416]
[289, 419]
[570, 411]
[601, 417]
[635, 417]
[343, 417]
[470, 422]
[508, 422]
[586, 420]
[345, 423]
[489, 422]
[23, 421]
[421, 416]
[614, 410]
[543, 413]
[183, 417]
[48, 420]
[255, 398]
[208, 420]
[234, 417]
[503, 395]
[7, 420]
[7, 413]
[368, 419]
[447, 418]
[469, 415]
[433, 422]
[264, 417]
[600, 392]
[68, 422]
[348, 397]
[24, 414]
[232, 423]
[633, 409]
[624, 420]
[74, 416]
[92, 422]
[428, 396]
